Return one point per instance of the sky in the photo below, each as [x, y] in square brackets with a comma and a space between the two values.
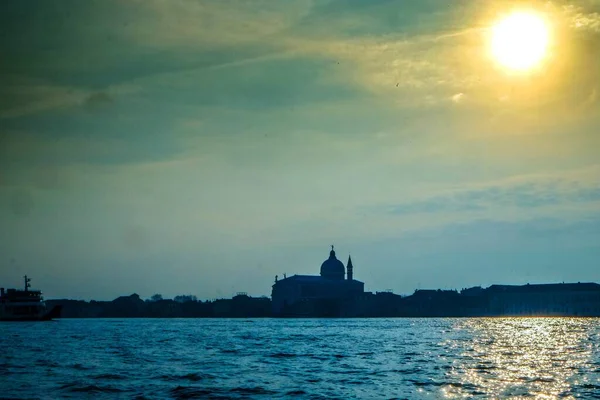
[203, 147]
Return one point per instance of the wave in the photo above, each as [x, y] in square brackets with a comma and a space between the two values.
[590, 386]
[407, 371]
[76, 388]
[14, 366]
[196, 376]
[283, 355]
[46, 363]
[466, 386]
[80, 367]
[295, 393]
[253, 390]
[426, 383]
[192, 377]
[110, 377]
[19, 398]
[538, 380]
[182, 392]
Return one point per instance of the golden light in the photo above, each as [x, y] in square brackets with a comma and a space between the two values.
[520, 41]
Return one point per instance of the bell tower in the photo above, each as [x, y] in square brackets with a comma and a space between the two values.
[350, 269]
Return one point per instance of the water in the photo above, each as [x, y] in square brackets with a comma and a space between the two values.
[312, 359]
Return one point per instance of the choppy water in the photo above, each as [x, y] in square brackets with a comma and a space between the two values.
[267, 358]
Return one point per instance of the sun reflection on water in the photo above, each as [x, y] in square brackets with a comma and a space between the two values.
[523, 357]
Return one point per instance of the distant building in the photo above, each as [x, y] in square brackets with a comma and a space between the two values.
[559, 299]
[312, 295]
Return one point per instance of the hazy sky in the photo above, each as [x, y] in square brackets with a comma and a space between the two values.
[205, 146]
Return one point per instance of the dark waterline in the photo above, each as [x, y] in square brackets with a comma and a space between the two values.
[315, 358]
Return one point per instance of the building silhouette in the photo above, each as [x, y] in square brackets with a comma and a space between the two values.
[317, 295]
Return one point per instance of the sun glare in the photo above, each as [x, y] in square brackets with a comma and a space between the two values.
[520, 41]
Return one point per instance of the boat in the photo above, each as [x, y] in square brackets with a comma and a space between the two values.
[25, 305]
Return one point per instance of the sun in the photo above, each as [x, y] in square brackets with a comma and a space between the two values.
[520, 41]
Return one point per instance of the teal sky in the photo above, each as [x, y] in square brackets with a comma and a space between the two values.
[205, 146]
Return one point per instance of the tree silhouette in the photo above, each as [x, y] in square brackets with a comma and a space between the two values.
[156, 297]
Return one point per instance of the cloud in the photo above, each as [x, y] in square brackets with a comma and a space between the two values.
[222, 23]
[543, 194]
[582, 19]
[458, 97]
[186, 36]
[23, 96]
[98, 100]
[373, 47]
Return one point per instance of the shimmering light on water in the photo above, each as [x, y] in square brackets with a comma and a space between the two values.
[544, 357]
[369, 358]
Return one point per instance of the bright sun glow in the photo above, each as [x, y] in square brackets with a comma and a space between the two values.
[520, 41]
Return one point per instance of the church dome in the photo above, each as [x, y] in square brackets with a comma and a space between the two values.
[332, 268]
